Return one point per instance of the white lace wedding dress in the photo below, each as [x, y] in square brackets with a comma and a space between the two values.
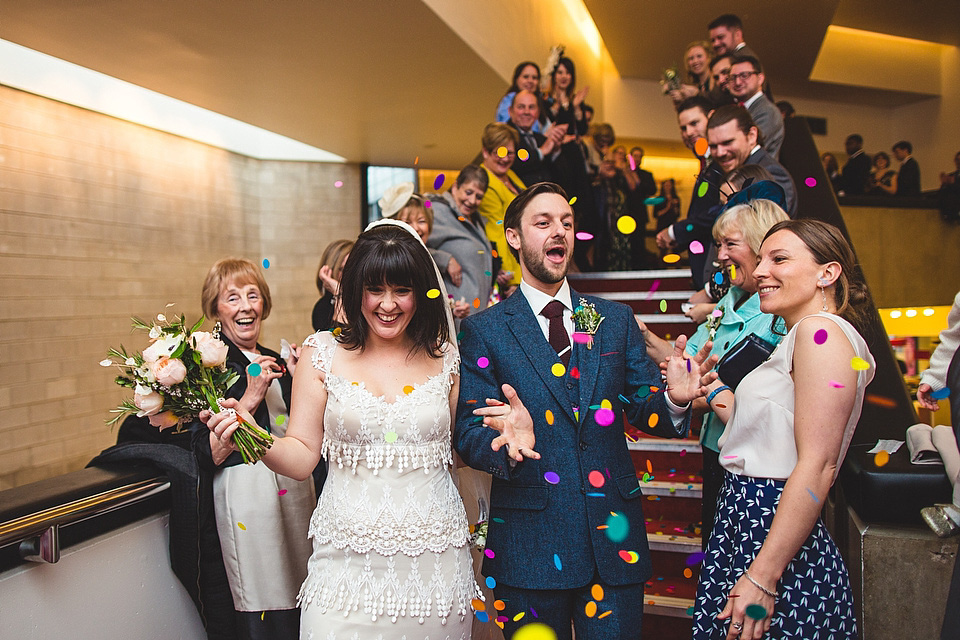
[390, 543]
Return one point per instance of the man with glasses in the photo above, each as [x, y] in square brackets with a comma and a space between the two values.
[746, 85]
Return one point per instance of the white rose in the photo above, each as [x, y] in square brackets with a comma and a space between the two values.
[213, 352]
[149, 403]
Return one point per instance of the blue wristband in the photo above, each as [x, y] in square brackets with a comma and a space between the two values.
[713, 393]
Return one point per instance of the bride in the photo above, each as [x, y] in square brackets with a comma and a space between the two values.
[390, 543]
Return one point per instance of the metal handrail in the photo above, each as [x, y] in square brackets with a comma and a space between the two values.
[26, 529]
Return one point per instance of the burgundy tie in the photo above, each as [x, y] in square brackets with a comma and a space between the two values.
[559, 339]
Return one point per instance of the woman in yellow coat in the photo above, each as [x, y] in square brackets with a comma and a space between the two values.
[499, 149]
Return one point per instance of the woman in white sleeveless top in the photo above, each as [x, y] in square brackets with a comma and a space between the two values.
[770, 565]
[390, 559]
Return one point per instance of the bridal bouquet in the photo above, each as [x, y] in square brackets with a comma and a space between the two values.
[180, 374]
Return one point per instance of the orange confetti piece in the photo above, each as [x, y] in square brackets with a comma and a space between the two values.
[687, 573]
[700, 146]
[654, 419]
[408, 389]
[499, 605]
[596, 591]
[549, 416]
[604, 614]
[590, 609]
[881, 458]
[478, 604]
[476, 303]
[670, 258]
[649, 465]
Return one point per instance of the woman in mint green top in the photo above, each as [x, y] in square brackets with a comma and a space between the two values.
[738, 231]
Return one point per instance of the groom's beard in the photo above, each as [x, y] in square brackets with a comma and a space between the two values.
[534, 263]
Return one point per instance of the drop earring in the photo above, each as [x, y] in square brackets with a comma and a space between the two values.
[823, 292]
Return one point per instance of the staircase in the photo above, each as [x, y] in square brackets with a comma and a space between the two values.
[669, 470]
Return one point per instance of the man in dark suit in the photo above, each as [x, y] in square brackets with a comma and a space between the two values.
[692, 116]
[746, 85]
[856, 171]
[565, 504]
[908, 178]
[536, 164]
[733, 139]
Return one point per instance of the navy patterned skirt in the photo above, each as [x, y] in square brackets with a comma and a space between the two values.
[815, 600]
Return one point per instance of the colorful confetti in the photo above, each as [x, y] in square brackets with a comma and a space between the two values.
[810, 182]
[696, 247]
[280, 420]
[596, 479]
[491, 582]
[820, 336]
[575, 373]
[266, 263]
[408, 389]
[254, 369]
[687, 573]
[433, 293]
[670, 258]
[881, 401]
[581, 338]
[483, 362]
[523, 155]
[596, 592]
[718, 277]
[618, 527]
[427, 204]
[551, 477]
[502, 152]
[242, 526]
[590, 609]
[583, 235]
[702, 189]
[881, 458]
[338, 184]
[604, 417]
[836, 385]
[520, 615]
[390, 436]
[733, 272]
[558, 370]
[482, 616]
[626, 225]
[549, 416]
[663, 306]
[632, 163]
[557, 563]
[630, 557]
[756, 611]
[572, 200]
[489, 553]
[695, 558]
[813, 495]
[438, 182]
[700, 146]
[859, 364]
[653, 420]
[940, 394]
[535, 631]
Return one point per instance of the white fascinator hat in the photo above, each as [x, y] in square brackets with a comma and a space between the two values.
[394, 198]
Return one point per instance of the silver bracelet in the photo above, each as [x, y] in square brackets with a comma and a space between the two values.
[772, 594]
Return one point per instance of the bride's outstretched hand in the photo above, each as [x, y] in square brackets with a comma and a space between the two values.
[687, 378]
[514, 423]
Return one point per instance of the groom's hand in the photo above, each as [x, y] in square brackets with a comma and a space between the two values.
[687, 378]
[514, 423]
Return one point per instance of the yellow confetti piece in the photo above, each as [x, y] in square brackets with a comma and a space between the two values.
[654, 419]
[596, 591]
[520, 615]
[572, 200]
[262, 613]
[859, 364]
[408, 389]
[733, 272]
[337, 331]
[626, 225]
[433, 293]
[558, 370]
[604, 614]
[605, 404]
[523, 155]
[549, 416]
[502, 152]
[670, 258]
[478, 604]
[242, 527]
[881, 458]
[534, 631]
[590, 609]
[499, 624]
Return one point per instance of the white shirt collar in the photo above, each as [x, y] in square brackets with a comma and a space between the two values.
[538, 299]
[752, 99]
[754, 150]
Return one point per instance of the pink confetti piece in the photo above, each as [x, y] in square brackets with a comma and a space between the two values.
[836, 385]
[810, 182]
[580, 337]
[696, 247]
[281, 492]
[483, 362]
[338, 184]
[583, 235]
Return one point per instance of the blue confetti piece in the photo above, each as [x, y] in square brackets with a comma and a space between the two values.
[596, 495]
[266, 263]
[718, 277]
[498, 519]
[557, 563]
[814, 496]
[941, 394]
[623, 399]
[491, 583]
[482, 616]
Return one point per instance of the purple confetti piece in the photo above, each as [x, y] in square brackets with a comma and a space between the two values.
[551, 477]
[438, 182]
[820, 336]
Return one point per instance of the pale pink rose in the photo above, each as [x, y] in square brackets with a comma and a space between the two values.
[212, 351]
[149, 403]
[164, 420]
[169, 371]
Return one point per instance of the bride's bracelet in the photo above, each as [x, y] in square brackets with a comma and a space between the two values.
[772, 594]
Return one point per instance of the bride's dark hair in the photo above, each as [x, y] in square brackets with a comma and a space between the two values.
[389, 254]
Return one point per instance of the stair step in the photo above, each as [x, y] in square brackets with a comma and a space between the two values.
[678, 543]
[629, 296]
[664, 318]
[672, 489]
[660, 274]
[665, 445]
[667, 606]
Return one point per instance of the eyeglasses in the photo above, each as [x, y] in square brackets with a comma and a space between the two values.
[742, 76]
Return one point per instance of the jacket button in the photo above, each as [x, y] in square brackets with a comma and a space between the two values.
[569, 385]
[583, 446]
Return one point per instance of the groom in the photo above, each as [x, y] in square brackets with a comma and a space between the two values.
[565, 504]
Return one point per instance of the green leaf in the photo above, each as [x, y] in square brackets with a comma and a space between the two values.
[199, 324]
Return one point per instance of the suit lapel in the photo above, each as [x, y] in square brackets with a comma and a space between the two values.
[525, 328]
[589, 366]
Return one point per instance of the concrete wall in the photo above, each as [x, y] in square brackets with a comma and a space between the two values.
[100, 220]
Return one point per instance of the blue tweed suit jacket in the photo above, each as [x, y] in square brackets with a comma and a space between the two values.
[551, 535]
